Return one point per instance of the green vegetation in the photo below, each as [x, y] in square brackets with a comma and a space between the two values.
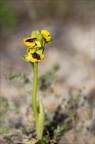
[8, 17]
[19, 75]
[3, 108]
[48, 78]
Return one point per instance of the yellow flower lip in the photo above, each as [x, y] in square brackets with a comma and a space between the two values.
[31, 40]
[33, 57]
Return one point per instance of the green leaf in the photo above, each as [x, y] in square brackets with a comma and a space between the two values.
[40, 124]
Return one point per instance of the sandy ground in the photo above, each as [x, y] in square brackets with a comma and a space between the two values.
[73, 49]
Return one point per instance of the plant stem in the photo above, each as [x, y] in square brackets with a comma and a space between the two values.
[35, 82]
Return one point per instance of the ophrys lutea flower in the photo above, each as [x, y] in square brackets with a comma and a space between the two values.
[31, 42]
[33, 55]
[46, 35]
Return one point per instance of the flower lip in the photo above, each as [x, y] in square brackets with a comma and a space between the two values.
[31, 40]
[36, 56]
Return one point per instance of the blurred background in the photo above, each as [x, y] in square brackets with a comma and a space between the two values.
[70, 57]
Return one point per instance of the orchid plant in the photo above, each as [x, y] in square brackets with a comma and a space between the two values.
[35, 53]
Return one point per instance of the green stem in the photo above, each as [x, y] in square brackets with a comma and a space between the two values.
[35, 82]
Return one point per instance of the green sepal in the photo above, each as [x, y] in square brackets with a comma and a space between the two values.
[37, 34]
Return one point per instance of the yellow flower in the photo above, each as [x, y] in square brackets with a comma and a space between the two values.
[31, 42]
[33, 56]
[46, 36]
[36, 45]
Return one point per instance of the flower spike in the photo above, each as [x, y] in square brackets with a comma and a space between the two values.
[34, 54]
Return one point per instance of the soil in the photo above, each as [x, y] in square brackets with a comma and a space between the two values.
[68, 94]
